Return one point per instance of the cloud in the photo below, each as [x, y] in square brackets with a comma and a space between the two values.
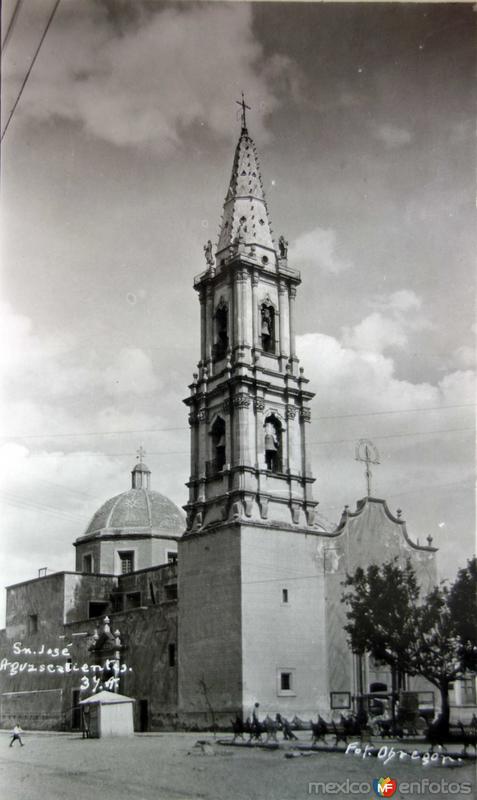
[375, 333]
[391, 136]
[388, 327]
[464, 357]
[112, 73]
[49, 377]
[132, 372]
[402, 300]
[319, 250]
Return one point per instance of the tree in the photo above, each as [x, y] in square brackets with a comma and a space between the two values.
[462, 603]
[381, 616]
[434, 636]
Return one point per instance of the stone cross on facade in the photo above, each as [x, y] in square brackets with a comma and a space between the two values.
[366, 451]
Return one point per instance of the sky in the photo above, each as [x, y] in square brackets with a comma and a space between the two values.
[115, 165]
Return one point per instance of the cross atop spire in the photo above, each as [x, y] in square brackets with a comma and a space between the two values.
[140, 453]
[243, 104]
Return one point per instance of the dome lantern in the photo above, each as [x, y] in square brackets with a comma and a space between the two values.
[141, 474]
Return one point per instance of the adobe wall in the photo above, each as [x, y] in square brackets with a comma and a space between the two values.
[35, 688]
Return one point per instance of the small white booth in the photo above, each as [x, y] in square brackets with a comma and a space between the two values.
[108, 714]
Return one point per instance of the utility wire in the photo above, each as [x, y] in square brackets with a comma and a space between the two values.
[50, 20]
[93, 454]
[11, 24]
[183, 428]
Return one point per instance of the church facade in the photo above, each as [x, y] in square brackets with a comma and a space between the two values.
[240, 601]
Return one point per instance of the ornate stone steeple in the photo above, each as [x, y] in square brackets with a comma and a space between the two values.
[245, 218]
[248, 400]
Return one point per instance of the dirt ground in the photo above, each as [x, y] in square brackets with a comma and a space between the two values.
[171, 766]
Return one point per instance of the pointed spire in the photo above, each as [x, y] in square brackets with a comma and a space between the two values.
[244, 105]
[245, 217]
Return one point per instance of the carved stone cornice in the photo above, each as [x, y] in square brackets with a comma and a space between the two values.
[241, 400]
[291, 412]
[202, 415]
[241, 275]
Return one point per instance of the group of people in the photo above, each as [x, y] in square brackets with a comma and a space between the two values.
[254, 727]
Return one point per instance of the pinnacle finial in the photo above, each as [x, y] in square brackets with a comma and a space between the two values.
[243, 104]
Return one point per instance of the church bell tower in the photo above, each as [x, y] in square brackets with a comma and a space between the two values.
[249, 399]
[251, 514]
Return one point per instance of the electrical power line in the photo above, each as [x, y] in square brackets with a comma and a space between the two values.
[183, 428]
[129, 453]
[50, 20]
[11, 24]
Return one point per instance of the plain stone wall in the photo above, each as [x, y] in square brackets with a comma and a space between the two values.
[280, 636]
[210, 641]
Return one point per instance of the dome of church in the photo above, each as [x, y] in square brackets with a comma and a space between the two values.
[138, 508]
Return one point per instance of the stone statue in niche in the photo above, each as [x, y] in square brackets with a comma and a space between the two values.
[283, 247]
[271, 446]
[267, 329]
[242, 229]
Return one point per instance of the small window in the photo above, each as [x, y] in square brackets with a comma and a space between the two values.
[468, 691]
[172, 557]
[32, 623]
[133, 599]
[171, 591]
[127, 562]
[117, 602]
[88, 563]
[285, 681]
[284, 595]
[172, 655]
[97, 609]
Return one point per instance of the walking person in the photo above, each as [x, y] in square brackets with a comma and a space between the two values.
[16, 735]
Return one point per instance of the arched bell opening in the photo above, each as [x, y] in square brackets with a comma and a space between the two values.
[217, 433]
[221, 330]
[267, 327]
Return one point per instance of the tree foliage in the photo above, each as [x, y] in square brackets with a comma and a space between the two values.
[381, 608]
[434, 636]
